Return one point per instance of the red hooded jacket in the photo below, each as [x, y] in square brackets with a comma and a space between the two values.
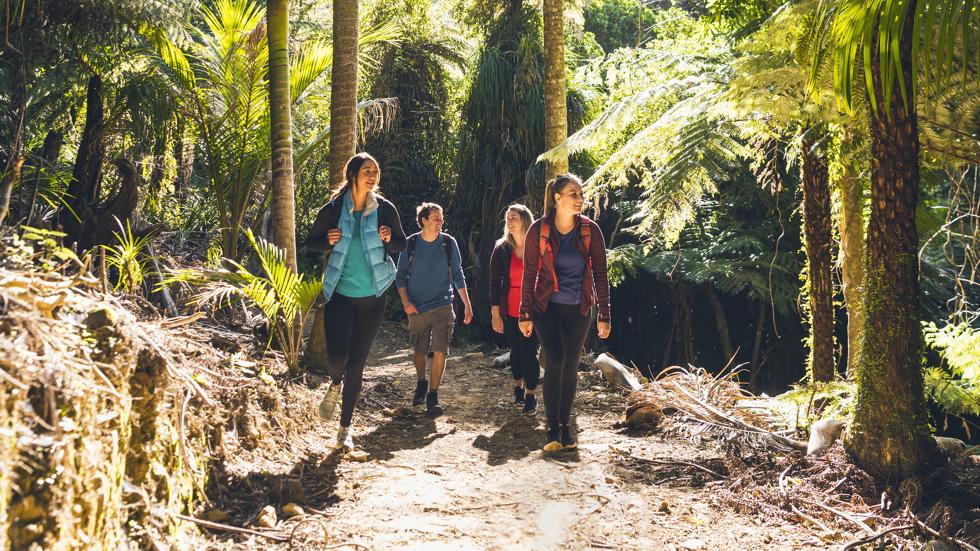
[537, 286]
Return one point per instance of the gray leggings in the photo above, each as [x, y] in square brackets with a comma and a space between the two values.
[351, 323]
[562, 330]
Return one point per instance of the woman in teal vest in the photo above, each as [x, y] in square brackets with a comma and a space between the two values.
[359, 230]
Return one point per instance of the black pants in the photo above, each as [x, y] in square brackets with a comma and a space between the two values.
[562, 330]
[351, 325]
[523, 353]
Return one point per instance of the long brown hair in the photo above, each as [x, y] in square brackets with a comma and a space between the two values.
[507, 241]
[353, 166]
[557, 186]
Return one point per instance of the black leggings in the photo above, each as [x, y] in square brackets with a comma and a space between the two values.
[523, 354]
[351, 324]
[562, 330]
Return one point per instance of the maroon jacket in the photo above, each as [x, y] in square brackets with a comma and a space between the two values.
[537, 286]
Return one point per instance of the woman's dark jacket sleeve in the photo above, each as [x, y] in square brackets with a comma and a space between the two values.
[398, 241]
[600, 271]
[326, 220]
[496, 275]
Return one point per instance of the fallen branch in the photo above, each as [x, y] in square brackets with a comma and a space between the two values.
[227, 528]
[844, 516]
[873, 537]
[661, 462]
[961, 543]
[173, 323]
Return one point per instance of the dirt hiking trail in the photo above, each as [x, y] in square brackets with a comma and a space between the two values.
[477, 478]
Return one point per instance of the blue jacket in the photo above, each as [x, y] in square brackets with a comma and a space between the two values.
[338, 213]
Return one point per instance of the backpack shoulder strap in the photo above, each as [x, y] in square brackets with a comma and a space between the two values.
[545, 244]
[410, 250]
[586, 233]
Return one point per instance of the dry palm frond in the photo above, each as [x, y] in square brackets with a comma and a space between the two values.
[712, 401]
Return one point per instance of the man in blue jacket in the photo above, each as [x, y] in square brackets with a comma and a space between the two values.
[427, 271]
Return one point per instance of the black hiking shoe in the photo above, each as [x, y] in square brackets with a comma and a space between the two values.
[553, 444]
[519, 395]
[432, 407]
[567, 442]
[530, 404]
[420, 389]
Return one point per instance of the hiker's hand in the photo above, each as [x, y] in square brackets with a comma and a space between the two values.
[498, 324]
[526, 327]
[333, 236]
[409, 308]
[385, 233]
[604, 329]
[468, 315]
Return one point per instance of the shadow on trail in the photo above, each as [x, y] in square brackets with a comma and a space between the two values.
[514, 440]
[403, 433]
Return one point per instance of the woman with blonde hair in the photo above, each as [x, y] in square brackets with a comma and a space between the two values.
[359, 230]
[564, 276]
[506, 271]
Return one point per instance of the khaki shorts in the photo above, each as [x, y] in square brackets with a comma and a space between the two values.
[435, 326]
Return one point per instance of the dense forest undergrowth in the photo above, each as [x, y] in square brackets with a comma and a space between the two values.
[788, 194]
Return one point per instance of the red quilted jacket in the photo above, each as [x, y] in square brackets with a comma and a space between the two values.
[537, 286]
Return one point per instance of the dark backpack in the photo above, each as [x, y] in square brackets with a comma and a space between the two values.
[445, 246]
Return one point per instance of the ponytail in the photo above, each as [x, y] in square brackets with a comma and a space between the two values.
[557, 186]
[549, 197]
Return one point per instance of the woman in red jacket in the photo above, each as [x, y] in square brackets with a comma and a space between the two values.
[506, 271]
[564, 277]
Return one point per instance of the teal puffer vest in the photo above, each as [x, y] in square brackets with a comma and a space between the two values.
[382, 267]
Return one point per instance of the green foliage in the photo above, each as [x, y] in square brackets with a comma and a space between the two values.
[221, 76]
[50, 248]
[618, 24]
[128, 259]
[955, 388]
[284, 298]
[861, 28]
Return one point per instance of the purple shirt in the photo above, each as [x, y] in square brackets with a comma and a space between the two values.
[569, 270]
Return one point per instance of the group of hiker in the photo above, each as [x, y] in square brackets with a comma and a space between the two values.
[545, 278]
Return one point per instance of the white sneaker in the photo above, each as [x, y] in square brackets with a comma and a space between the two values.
[329, 403]
[344, 441]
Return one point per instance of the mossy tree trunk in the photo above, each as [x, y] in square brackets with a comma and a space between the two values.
[851, 227]
[280, 124]
[817, 229]
[891, 437]
[343, 88]
[555, 110]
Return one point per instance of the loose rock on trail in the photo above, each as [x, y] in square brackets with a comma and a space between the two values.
[476, 478]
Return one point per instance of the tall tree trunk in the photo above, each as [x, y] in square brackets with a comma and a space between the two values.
[7, 184]
[891, 436]
[343, 88]
[87, 172]
[280, 124]
[555, 110]
[184, 156]
[816, 214]
[720, 321]
[851, 228]
[757, 344]
[159, 162]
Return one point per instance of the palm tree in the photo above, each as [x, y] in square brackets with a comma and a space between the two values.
[281, 134]
[343, 88]
[221, 79]
[555, 111]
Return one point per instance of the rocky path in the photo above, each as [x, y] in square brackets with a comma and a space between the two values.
[476, 478]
